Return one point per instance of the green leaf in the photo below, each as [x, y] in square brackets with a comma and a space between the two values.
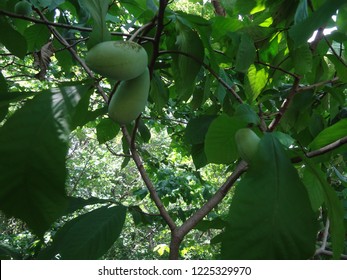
[255, 81]
[341, 20]
[88, 236]
[12, 39]
[33, 147]
[302, 59]
[144, 131]
[339, 67]
[314, 189]
[158, 93]
[220, 146]
[330, 134]
[303, 30]
[245, 54]
[270, 216]
[197, 128]
[335, 209]
[198, 155]
[106, 130]
[36, 36]
[187, 67]
[98, 10]
[247, 114]
[301, 12]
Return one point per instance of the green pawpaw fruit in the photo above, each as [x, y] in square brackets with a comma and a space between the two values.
[23, 8]
[247, 143]
[119, 60]
[130, 99]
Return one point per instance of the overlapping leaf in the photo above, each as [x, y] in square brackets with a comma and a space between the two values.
[270, 216]
[33, 146]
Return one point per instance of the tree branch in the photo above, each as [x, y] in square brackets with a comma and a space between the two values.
[147, 181]
[213, 202]
[160, 27]
[66, 26]
[285, 105]
[323, 150]
[218, 8]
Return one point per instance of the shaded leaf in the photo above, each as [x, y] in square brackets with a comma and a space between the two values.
[98, 10]
[33, 146]
[303, 30]
[246, 53]
[335, 209]
[12, 39]
[88, 236]
[220, 146]
[106, 130]
[185, 67]
[270, 216]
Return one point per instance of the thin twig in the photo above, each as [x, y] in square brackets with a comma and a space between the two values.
[323, 150]
[313, 86]
[62, 40]
[66, 26]
[285, 105]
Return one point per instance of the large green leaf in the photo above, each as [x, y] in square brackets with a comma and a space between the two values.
[270, 215]
[220, 146]
[303, 30]
[186, 68]
[245, 54]
[88, 236]
[33, 146]
[197, 128]
[334, 206]
[330, 134]
[12, 39]
[98, 10]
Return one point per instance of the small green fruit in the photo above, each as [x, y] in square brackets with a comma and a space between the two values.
[119, 60]
[247, 143]
[130, 99]
[23, 8]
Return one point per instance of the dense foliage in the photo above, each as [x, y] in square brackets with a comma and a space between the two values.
[74, 184]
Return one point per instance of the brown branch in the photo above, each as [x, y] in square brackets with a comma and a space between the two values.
[148, 182]
[160, 27]
[219, 79]
[313, 86]
[285, 105]
[179, 233]
[218, 8]
[328, 148]
[62, 40]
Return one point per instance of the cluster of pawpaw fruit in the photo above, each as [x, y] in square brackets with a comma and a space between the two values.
[125, 61]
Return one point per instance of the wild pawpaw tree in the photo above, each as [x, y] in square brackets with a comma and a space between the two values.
[261, 81]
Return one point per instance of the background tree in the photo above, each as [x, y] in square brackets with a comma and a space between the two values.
[76, 185]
